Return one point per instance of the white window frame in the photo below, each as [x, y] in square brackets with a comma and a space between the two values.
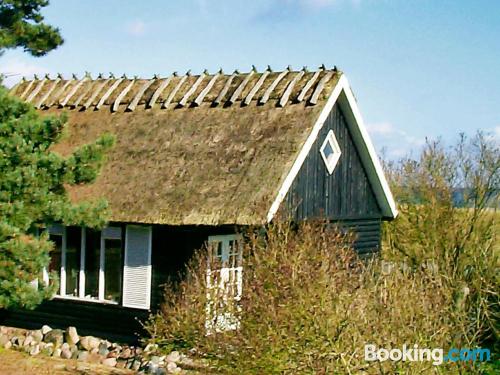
[108, 233]
[224, 322]
[331, 140]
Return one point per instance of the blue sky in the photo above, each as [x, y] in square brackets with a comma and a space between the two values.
[419, 68]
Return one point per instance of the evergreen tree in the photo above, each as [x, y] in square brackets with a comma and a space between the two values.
[32, 194]
[21, 25]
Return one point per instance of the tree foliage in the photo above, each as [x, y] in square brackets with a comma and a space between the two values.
[21, 25]
[32, 193]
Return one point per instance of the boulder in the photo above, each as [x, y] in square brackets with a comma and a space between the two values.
[172, 367]
[174, 357]
[89, 342]
[55, 336]
[46, 329]
[4, 339]
[35, 350]
[56, 353]
[47, 349]
[109, 362]
[103, 349]
[126, 353]
[37, 335]
[17, 341]
[29, 340]
[71, 336]
[66, 353]
[83, 355]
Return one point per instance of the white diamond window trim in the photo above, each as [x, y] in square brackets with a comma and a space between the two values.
[330, 151]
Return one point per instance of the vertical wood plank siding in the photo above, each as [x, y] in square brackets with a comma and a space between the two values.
[344, 196]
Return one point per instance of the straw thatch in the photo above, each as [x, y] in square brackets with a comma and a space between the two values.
[198, 163]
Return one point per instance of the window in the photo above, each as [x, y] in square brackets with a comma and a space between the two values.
[224, 282]
[89, 263]
[330, 151]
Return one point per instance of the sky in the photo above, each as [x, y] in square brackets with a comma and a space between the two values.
[418, 68]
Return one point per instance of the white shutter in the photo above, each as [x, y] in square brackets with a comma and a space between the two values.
[137, 271]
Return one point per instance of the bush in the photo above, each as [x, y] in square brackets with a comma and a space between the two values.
[310, 305]
[448, 218]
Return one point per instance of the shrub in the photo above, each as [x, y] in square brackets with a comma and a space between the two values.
[448, 200]
[309, 306]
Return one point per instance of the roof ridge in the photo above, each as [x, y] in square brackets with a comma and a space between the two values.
[188, 90]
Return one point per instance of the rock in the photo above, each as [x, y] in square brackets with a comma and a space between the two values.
[4, 339]
[161, 371]
[56, 353]
[155, 359]
[171, 367]
[174, 357]
[37, 335]
[8, 345]
[47, 349]
[136, 365]
[89, 342]
[35, 350]
[17, 341]
[150, 348]
[83, 355]
[55, 336]
[113, 354]
[103, 349]
[65, 346]
[109, 362]
[126, 353]
[46, 329]
[71, 336]
[152, 368]
[66, 353]
[29, 340]
[121, 364]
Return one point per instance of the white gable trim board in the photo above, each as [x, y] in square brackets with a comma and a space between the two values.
[343, 95]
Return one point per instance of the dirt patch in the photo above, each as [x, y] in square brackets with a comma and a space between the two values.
[12, 362]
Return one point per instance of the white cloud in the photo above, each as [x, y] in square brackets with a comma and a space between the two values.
[136, 28]
[395, 142]
[14, 69]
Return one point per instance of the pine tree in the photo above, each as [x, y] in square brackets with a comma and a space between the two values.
[33, 194]
[21, 25]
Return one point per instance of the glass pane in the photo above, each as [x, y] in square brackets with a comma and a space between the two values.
[328, 150]
[113, 266]
[92, 261]
[55, 256]
[73, 246]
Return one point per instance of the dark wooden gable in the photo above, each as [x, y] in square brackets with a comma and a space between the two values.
[346, 194]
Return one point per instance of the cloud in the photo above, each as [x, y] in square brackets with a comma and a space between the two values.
[395, 142]
[136, 28]
[14, 69]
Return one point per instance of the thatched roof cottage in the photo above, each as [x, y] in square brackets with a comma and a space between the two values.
[198, 157]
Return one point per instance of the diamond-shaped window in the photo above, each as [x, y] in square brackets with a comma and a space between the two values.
[330, 151]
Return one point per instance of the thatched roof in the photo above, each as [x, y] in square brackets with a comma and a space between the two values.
[191, 149]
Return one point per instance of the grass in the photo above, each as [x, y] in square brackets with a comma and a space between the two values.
[18, 363]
